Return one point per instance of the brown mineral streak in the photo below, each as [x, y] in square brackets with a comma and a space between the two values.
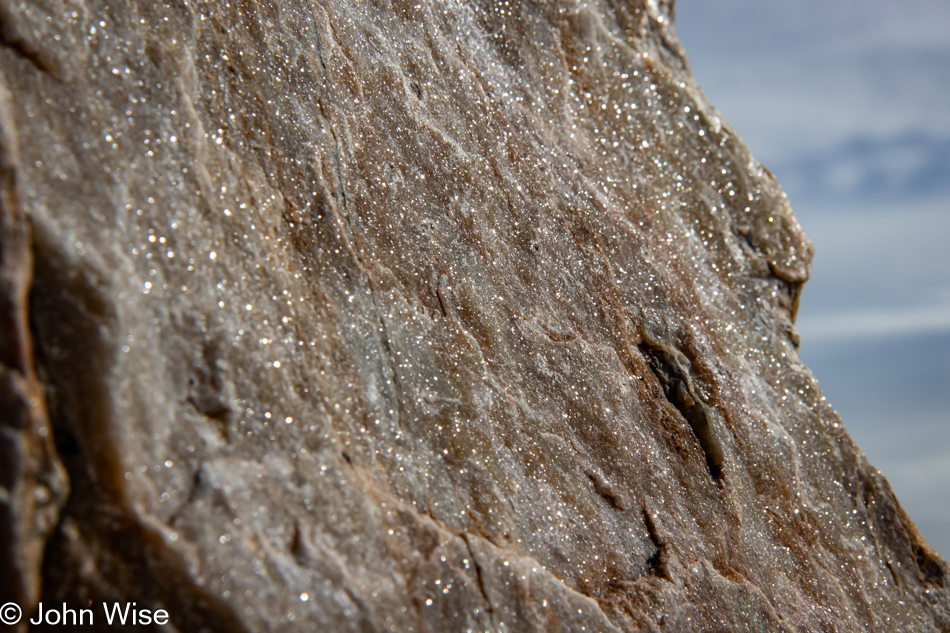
[413, 316]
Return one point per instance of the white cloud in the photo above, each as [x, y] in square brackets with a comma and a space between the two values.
[876, 323]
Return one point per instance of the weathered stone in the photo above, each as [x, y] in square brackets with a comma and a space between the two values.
[436, 316]
[33, 483]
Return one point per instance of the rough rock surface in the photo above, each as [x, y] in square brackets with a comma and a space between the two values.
[380, 315]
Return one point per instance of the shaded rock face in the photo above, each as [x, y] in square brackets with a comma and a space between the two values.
[438, 316]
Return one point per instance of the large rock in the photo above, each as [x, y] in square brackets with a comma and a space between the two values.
[437, 316]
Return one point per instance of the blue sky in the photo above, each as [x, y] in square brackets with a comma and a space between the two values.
[848, 103]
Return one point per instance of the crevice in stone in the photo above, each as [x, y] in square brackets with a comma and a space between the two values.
[12, 40]
[668, 367]
[656, 563]
[210, 392]
[391, 357]
[478, 574]
[559, 337]
[930, 567]
[444, 292]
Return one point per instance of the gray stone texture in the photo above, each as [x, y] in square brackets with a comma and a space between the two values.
[448, 315]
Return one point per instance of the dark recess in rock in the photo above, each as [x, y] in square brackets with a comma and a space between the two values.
[670, 367]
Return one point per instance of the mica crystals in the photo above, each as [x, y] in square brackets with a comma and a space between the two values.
[396, 316]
